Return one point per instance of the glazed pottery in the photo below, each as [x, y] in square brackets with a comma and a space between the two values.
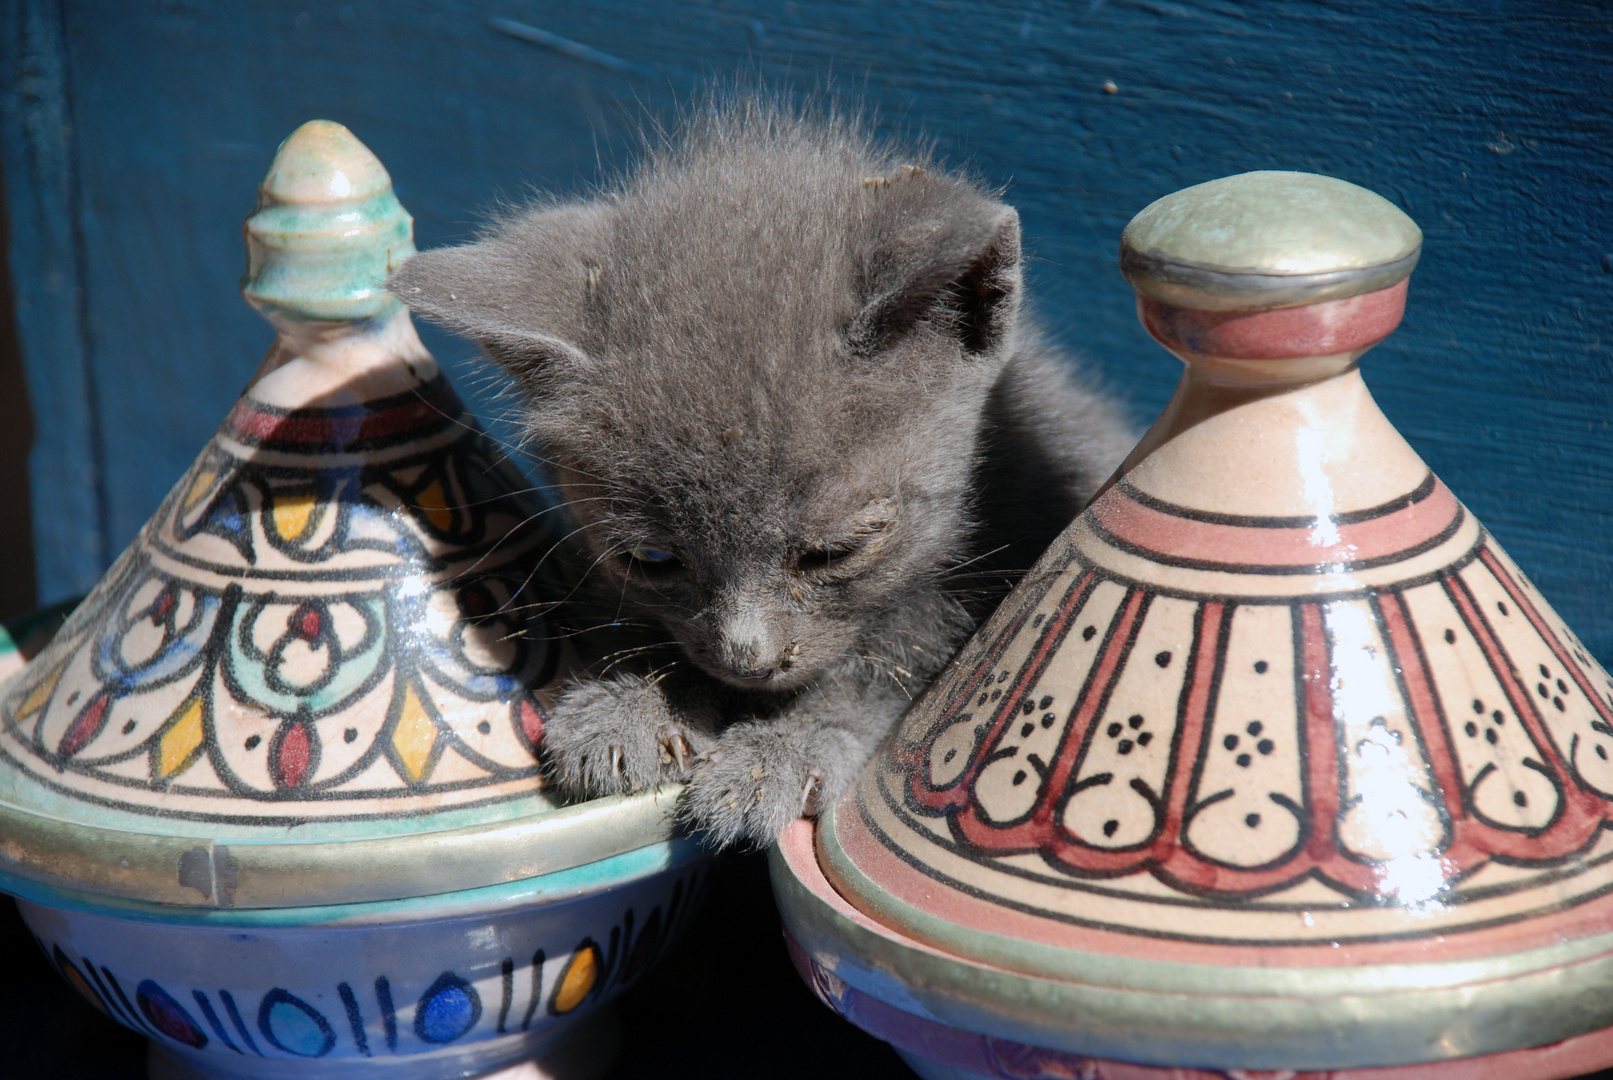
[1274, 762]
[271, 796]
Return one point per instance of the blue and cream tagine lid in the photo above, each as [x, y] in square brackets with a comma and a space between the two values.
[320, 672]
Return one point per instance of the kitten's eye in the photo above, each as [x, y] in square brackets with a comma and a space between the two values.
[814, 560]
[652, 557]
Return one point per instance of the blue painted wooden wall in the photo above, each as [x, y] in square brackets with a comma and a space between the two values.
[134, 131]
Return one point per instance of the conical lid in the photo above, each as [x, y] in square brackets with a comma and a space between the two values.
[1275, 750]
[319, 672]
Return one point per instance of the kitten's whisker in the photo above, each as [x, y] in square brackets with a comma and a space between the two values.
[620, 655]
[622, 624]
[511, 535]
[883, 662]
[953, 569]
[580, 578]
[660, 674]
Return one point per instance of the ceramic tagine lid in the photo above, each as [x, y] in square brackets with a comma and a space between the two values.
[1275, 760]
[319, 673]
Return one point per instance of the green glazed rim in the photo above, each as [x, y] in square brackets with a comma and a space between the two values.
[1181, 1014]
[554, 887]
[199, 872]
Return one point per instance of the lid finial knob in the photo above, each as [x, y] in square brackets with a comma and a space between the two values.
[326, 232]
[1270, 266]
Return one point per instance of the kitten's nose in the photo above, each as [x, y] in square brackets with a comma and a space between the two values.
[748, 651]
[745, 660]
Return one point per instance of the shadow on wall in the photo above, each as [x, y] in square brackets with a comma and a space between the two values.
[17, 591]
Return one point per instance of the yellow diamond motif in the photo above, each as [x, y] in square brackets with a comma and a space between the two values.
[293, 514]
[414, 736]
[198, 488]
[181, 743]
[432, 501]
[38, 696]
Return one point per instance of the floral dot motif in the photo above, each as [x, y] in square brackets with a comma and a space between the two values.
[1475, 749]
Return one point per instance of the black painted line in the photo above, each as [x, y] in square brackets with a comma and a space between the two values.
[507, 976]
[355, 1018]
[235, 1018]
[537, 989]
[1250, 521]
[212, 1019]
[389, 1017]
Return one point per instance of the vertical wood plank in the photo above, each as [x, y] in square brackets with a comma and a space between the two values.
[17, 576]
[36, 139]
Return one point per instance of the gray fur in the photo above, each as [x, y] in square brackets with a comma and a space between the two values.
[796, 360]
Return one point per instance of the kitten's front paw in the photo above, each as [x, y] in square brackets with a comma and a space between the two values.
[761, 777]
[619, 735]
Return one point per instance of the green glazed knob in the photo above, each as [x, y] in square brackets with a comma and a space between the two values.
[326, 232]
[1263, 240]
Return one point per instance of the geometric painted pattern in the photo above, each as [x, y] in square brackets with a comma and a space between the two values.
[382, 1012]
[1396, 720]
[333, 615]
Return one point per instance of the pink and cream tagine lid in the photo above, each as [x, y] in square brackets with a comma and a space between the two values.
[1275, 761]
[319, 673]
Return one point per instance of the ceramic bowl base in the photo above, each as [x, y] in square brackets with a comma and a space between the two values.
[582, 1050]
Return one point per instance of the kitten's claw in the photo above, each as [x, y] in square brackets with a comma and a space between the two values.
[618, 735]
[762, 779]
[675, 746]
[814, 781]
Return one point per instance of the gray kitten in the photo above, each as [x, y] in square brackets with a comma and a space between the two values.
[805, 436]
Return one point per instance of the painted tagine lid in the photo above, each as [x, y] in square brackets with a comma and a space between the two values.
[319, 673]
[1276, 760]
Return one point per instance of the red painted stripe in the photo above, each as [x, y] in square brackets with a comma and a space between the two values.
[957, 793]
[310, 429]
[1193, 724]
[1040, 831]
[1521, 601]
[1238, 546]
[1472, 841]
[1579, 818]
[1325, 329]
[1323, 797]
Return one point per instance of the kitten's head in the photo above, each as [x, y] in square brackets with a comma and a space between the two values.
[757, 366]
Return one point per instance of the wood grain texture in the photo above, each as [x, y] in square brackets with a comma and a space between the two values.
[16, 438]
[1487, 122]
[69, 511]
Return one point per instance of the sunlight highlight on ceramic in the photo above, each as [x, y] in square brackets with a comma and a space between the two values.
[1275, 760]
[272, 794]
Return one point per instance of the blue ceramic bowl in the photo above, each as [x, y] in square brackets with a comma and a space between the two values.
[458, 984]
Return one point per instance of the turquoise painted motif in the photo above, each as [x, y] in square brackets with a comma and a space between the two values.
[334, 606]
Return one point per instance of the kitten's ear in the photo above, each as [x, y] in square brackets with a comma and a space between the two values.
[962, 275]
[521, 293]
